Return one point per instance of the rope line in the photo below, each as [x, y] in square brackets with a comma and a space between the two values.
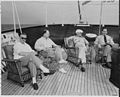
[18, 17]
[14, 18]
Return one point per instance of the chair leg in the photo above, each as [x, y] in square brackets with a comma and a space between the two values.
[7, 77]
[22, 84]
[40, 76]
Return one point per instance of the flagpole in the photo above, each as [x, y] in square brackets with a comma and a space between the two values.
[79, 11]
[100, 16]
[46, 14]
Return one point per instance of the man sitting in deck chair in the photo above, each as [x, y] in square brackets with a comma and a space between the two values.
[82, 44]
[105, 43]
[46, 44]
[27, 56]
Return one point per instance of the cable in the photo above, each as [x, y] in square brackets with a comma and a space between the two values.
[14, 18]
[18, 17]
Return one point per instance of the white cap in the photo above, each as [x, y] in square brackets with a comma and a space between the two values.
[105, 30]
[79, 31]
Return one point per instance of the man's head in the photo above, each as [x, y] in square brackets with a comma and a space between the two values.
[79, 32]
[23, 38]
[104, 32]
[46, 33]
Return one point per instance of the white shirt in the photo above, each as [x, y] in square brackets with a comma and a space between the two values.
[19, 47]
[79, 41]
[100, 40]
[43, 43]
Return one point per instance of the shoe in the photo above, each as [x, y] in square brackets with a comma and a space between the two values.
[62, 70]
[104, 59]
[35, 86]
[104, 65]
[109, 65]
[62, 61]
[77, 65]
[50, 73]
[82, 69]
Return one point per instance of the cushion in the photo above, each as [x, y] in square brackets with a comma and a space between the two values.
[25, 70]
[71, 43]
[8, 49]
[42, 53]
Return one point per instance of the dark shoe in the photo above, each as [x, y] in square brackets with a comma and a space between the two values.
[77, 65]
[35, 86]
[109, 65]
[82, 69]
[50, 73]
[104, 59]
[106, 65]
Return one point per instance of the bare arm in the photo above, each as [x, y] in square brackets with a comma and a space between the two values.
[27, 53]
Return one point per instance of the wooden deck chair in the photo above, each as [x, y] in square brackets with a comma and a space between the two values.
[15, 70]
[72, 53]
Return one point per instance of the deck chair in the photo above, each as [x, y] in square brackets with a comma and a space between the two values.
[99, 54]
[15, 71]
[72, 53]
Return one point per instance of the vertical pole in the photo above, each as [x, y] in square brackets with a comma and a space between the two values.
[80, 17]
[46, 25]
[62, 18]
[100, 16]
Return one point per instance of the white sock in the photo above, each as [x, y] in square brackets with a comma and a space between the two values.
[34, 80]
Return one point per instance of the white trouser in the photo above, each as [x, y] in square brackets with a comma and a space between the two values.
[107, 52]
[82, 54]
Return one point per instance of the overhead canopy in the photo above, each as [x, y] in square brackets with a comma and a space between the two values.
[60, 12]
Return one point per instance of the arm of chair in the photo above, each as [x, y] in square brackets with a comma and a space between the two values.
[70, 47]
[71, 50]
[13, 65]
[11, 60]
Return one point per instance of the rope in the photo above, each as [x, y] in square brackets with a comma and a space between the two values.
[14, 18]
[18, 17]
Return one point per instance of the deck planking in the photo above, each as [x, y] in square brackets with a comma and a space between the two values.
[94, 82]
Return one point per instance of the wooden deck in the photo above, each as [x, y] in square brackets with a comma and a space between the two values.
[95, 81]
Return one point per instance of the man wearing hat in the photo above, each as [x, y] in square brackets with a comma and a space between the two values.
[105, 42]
[82, 44]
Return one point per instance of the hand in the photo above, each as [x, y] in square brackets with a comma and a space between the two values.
[34, 53]
[53, 46]
[56, 46]
[99, 46]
